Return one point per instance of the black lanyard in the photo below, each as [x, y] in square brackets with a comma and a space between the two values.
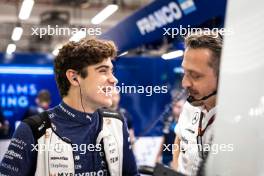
[201, 133]
[200, 130]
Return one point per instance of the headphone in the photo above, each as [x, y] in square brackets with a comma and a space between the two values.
[75, 79]
[191, 99]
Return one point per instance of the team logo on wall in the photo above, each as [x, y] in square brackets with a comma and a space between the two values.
[195, 118]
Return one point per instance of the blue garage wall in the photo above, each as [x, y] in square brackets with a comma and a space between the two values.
[135, 71]
[18, 91]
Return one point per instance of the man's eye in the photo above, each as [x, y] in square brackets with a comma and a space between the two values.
[102, 71]
[195, 76]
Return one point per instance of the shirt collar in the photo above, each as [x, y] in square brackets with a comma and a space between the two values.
[76, 115]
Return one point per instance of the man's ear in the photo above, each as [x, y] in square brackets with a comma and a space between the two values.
[72, 77]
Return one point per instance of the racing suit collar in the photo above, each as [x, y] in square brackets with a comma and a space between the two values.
[76, 115]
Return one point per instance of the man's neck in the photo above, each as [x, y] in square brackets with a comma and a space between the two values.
[75, 103]
[211, 103]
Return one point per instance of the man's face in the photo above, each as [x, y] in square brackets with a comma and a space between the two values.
[94, 85]
[199, 78]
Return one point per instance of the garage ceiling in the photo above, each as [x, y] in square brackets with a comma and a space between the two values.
[80, 13]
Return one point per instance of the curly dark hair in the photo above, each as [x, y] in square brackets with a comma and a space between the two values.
[210, 40]
[79, 55]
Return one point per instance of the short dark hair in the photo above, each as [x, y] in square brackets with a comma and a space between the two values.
[44, 96]
[210, 40]
[79, 55]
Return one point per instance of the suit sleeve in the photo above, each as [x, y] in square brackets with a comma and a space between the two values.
[20, 157]
[129, 162]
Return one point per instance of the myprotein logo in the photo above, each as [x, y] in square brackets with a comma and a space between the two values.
[93, 173]
[165, 15]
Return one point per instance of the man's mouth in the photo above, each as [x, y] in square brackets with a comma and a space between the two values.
[192, 93]
[107, 90]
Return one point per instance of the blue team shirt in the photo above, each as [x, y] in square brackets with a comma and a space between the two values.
[78, 128]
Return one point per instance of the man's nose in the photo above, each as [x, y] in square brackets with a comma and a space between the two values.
[113, 80]
[186, 83]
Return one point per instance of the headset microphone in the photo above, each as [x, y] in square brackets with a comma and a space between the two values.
[191, 99]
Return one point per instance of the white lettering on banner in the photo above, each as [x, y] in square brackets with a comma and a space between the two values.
[17, 89]
[13, 101]
[163, 16]
[16, 95]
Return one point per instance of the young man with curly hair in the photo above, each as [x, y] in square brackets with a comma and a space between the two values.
[79, 136]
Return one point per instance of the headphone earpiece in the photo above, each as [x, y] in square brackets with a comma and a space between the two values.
[75, 79]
